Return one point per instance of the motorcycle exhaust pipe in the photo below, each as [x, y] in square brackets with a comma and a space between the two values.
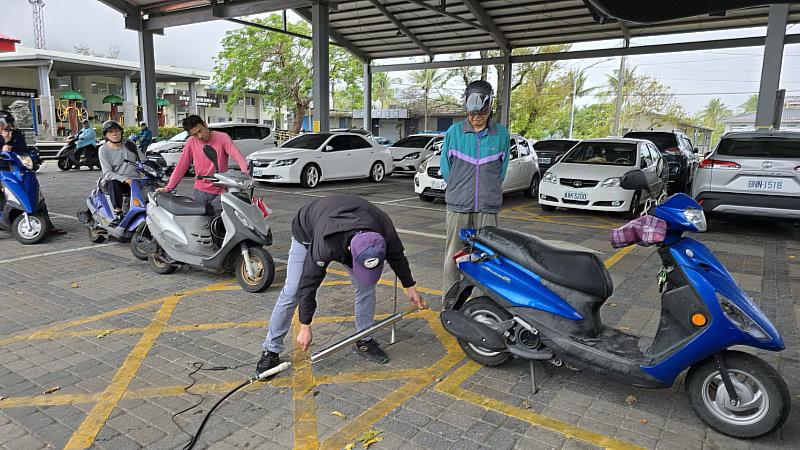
[394, 318]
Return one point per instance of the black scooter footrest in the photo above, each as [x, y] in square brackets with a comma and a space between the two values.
[471, 331]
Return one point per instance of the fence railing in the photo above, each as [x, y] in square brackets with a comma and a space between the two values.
[282, 136]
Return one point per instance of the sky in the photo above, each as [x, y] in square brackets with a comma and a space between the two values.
[694, 77]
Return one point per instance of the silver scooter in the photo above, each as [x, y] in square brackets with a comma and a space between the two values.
[187, 232]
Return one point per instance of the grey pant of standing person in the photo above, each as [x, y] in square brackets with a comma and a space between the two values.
[454, 222]
[205, 197]
[281, 320]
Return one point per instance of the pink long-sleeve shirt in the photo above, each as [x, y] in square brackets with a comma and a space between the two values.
[193, 154]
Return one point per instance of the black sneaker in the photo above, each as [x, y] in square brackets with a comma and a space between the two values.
[117, 219]
[268, 361]
[370, 349]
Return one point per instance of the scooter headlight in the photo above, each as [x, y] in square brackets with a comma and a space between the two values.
[242, 218]
[697, 218]
[740, 319]
[26, 161]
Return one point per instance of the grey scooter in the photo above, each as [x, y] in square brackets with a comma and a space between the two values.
[188, 232]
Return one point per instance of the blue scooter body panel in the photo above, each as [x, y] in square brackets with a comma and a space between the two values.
[22, 183]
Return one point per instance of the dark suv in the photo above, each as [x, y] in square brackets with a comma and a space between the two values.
[548, 150]
[679, 153]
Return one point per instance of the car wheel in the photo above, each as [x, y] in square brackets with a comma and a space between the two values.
[548, 208]
[377, 172]
[309, 177]
[425, 198]
[635, 209]
[533, 189]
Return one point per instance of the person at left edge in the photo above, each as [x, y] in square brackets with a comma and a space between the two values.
[200, 136]
[359, 235]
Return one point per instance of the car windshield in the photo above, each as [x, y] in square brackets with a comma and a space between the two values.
[413, 142]
[760, 148]
[180, 137]
[553, 146]
[311, 141]
[662, 140]
[605, 153]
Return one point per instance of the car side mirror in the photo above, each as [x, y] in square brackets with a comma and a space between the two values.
[634, 180]
[328, 148]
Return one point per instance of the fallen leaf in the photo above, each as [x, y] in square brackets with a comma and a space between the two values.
[20, 293]
[371, 434]
[75, 285]
[103, 334]
[52, 389]
[624, 328]
[178, 294]
[792, 257]
[339, 414]
[2, 398]
[631, 399]
[438, 379]
[526, 405]
[643, 421]
[349, 446]
[612, 304]
[374, 440]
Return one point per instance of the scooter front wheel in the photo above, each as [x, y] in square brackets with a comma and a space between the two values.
[764, 400]
[144, 232]
[263, 268]
[31, 231]
[487, 312]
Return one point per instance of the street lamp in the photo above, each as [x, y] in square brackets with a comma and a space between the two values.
[575, 92]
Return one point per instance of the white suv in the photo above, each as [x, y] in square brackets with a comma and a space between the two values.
[248, 138]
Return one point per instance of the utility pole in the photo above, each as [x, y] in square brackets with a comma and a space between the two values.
[620, 84]
[38, 23]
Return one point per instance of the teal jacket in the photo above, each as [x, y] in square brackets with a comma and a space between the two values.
[473, 168]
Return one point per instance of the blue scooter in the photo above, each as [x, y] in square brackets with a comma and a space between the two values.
[543, 303]
[99, 212]
[24, 213]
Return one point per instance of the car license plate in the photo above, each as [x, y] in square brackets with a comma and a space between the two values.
[439, 185]
[257, 172]
[544, 160]
[765, 184]
[572, 195]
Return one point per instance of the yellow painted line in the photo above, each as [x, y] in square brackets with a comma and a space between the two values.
[384, 282]
[377, 375]
[348, 432]
[84, 436]
[616, 257]
[451, 386]
[305, 406]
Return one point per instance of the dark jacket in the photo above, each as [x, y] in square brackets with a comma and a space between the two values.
[325, 227]
[17, 142]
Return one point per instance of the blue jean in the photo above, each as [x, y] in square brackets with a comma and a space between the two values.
[281, 320]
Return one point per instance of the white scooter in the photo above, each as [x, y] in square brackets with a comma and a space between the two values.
[187, 232]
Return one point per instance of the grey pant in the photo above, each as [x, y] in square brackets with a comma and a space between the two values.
[281, 320]
[454, 222]
[204, 197]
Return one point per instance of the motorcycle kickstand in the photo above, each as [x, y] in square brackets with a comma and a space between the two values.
[248, 265]
[534, 389]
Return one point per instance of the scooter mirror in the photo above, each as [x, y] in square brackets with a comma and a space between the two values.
[634, 180]
[211, 154]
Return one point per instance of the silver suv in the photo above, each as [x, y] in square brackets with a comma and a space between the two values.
[752, 173]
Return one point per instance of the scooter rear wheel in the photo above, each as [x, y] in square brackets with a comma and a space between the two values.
[764, 399]
[64, 164]
[160, 266]
[264, 268]
[487, 312]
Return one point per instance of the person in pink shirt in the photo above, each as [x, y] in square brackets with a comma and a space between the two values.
[200, 136]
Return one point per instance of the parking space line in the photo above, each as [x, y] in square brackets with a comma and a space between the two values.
[420, 233]
[58, 252]
[62, 216]
[88, 430]
[305, 405]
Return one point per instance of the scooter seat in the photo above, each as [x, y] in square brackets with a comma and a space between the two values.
[581, 271]
[183, 206]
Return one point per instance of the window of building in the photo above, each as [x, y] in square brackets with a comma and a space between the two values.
[61, 83]
[250, 101]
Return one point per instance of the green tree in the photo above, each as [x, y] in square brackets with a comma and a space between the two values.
[711, 117]
[751, 104]
[426, 81]
[278, 65]
[113, 51]
[466, 74]
[382, 89]
[643, 98]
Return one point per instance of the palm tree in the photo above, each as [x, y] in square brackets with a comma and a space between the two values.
[382, 89]
[751, 104]
[426, 80]
[711, 116]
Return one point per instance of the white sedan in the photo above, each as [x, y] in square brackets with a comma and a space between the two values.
[408, 153]
[522, 173]
[588, 176]
[314, 157]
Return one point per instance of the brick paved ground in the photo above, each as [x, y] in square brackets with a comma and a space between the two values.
[119, 344]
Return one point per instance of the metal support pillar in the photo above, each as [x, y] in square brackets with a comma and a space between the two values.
[771, 66]
[147, 83]
[368, 97]
[320, 35]
[506, 100]
[129, 107]
[46, 102]
[620, 95]
[192, 98]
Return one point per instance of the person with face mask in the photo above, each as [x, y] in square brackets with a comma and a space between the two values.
[117, 174]
[474, 159]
